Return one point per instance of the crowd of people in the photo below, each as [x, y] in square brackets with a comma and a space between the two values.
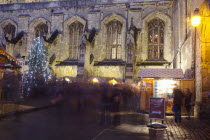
[177, 103]
[110, 99]
[106, 99]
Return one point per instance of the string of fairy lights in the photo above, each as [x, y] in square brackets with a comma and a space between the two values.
[38, 62]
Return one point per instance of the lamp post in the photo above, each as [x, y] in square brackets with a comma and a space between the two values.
[23, 76]
[195, 21]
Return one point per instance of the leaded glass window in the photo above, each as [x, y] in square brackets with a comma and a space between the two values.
[114, 39]
[9, 31]
[75, 34]
[156, 39]
[41, 30]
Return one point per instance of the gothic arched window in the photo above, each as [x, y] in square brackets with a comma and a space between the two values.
[114, 39]
[41, 30]
[156, 39]
[9, 31]
[75, 33]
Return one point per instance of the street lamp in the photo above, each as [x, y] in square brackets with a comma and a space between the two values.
[196, 19]
[23, 76]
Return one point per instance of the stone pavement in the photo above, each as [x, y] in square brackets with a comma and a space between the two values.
[193, 129]
[63, 123]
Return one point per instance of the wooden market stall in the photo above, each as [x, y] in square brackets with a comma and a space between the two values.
[160, 83]
[7, 62]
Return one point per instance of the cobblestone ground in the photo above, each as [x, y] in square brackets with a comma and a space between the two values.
[193, 129]
[60, 123]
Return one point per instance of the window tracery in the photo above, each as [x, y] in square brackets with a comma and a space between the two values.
[41, 30]
[9, 31]
[156, 39]
[75, 34]
[114, 39]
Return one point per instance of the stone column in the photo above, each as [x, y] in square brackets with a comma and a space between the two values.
[94, 21]
[23, 25]
[57, 20]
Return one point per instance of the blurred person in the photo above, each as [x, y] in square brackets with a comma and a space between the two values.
[188, 102]
[178, 95]
[115, 106]
[105, 104]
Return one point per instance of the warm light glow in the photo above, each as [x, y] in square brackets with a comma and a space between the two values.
[165, 84]
[113, 82]
[95, 80]
[164, 87]
[67, 79]
[196, 20]
[139, 83]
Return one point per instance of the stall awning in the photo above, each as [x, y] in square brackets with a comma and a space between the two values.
[7, 61]
[161, 73]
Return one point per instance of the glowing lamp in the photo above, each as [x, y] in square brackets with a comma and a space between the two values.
[196, 19]
[113, 82]
[67, 79]
[95, 80]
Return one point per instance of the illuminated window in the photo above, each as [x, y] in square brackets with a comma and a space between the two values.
[41, 30]
[114, 39]
[156, 39]
[75, 33]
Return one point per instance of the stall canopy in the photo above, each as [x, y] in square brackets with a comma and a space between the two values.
[161, 73]
[7, 61]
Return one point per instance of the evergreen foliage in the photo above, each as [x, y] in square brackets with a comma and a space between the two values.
[38, 73]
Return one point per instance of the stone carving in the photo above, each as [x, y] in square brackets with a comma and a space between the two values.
[92, 35]
[15, 39]
[131, 41]
[52, 37]
[130, 46]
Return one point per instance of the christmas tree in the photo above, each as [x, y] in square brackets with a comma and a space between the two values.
[38, 73]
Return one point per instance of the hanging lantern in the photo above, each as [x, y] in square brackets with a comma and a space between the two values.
[113, 82]
[95, 80]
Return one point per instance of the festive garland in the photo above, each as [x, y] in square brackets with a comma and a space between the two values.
[8, 61]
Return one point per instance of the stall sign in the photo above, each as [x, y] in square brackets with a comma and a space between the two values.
[157, 108]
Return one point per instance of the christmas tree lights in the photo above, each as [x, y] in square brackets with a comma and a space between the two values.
[38, 62]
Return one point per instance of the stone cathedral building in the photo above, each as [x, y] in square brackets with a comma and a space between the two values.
[106, 38]
[112, 38]
[99, 38]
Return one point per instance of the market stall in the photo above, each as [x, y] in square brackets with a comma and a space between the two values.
[160, 83]
[8, 64]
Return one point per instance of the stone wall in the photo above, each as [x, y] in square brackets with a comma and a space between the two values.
[59, 15]
[183, 54]
[77, 1]
[204, 38]
[190, 51]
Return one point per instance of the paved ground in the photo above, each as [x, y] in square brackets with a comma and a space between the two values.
[60, 123]
[193, 129]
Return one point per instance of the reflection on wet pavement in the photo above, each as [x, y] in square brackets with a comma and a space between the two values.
[60, 123]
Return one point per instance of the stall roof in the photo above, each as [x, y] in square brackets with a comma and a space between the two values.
[7, 61]
[161, 73]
